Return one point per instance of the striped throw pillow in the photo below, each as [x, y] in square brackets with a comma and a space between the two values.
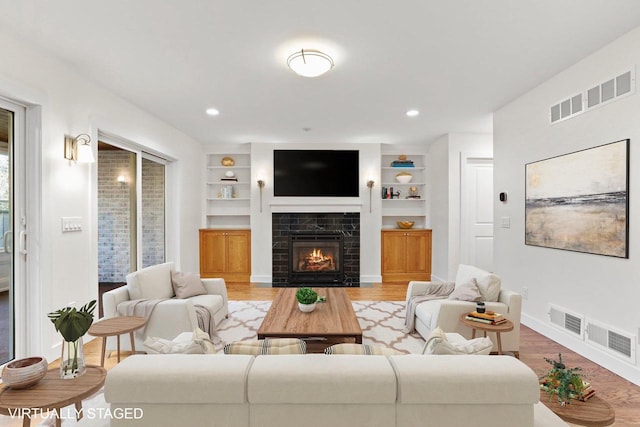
[348, 348]
[267, 346]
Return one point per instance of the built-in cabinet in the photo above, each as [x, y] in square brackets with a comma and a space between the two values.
[228, 189]
[225, 253]
[406, 255]
[409, 200]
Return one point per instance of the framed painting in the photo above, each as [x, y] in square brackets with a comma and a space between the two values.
[580, 201]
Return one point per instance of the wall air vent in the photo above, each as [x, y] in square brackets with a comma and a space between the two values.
[621, 85]
[567, 321]
[613, 341]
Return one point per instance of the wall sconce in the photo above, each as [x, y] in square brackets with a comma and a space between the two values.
[122, 180]
[260, 186]
[370, 186]
[78, 149]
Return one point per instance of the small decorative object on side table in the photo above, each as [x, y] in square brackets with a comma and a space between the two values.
[72, 325]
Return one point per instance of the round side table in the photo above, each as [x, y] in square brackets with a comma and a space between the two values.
[595, 412]
[116, 326]
[51, 394]
[487, 327]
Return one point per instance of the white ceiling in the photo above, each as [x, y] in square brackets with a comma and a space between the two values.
[454, 60]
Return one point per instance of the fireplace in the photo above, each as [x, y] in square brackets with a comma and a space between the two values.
[336, 236]
[315, 258]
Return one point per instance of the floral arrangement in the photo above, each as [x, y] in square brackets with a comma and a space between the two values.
[565, 383]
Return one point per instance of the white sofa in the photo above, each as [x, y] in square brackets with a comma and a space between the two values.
[173, 315]
[445, 313]
[317, 390]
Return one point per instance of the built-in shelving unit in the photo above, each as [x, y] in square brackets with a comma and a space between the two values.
[403, 207]
[228, 203]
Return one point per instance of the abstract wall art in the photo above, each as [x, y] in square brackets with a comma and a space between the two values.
[580, 201]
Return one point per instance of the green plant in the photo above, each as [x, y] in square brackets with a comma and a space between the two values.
[306, 296]
[71, 323]
[565, 383]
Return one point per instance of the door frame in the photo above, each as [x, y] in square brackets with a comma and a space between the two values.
[28, 287]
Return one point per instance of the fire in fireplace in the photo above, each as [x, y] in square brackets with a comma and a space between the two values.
[315, 258]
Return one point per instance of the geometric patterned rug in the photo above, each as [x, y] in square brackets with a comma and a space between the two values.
[381, 323]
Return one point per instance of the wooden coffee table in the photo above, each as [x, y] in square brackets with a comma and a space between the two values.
[486, 327]
[595, 412]
[116, 326]
[332, 322]
[51, 394]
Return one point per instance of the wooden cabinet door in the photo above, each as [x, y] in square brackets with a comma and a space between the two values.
[238, 251]
[393, 252]
[416, 254]
[213, 253]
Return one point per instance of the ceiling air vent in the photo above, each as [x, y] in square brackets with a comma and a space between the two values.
[613, 341]
[605, 92]
[568, 322]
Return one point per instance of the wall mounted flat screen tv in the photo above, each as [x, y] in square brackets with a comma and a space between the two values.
[316, 173]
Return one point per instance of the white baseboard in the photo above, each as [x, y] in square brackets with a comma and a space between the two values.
[435, 278]
[615, 365]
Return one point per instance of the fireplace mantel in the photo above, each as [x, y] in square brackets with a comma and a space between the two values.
[311, 205]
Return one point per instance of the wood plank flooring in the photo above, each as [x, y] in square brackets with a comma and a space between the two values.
[620, 393]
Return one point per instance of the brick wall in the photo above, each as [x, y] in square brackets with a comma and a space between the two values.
[152, 213]
[114, 215]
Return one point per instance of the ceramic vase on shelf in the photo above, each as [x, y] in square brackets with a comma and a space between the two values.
[72, 362]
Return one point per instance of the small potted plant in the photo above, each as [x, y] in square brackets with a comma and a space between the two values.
[307, 299]
[565, 383]
[72, 325]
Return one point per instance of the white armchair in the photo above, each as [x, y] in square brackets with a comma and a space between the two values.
[445, 313]
[171, 316]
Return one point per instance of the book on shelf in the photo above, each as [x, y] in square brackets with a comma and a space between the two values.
[402, 165]
[229, 179]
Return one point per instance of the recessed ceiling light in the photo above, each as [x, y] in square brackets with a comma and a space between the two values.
[212, 112]
[310, 62]
[413, 113]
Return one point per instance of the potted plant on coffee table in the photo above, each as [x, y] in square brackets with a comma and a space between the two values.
[307, 299]
[562, 382]
[72, 325]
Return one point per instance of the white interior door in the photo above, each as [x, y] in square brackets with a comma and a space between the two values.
[477, 212]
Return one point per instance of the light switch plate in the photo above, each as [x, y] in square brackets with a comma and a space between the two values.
[71, 224]
[505, 222]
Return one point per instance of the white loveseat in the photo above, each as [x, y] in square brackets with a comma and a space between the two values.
[445, 313]
[173, 315]
[317, 390]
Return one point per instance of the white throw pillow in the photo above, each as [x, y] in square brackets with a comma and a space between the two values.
[437, 343]
[152, 282]
[187, 285]
[488, 283]
[156, 345]
[467, 291]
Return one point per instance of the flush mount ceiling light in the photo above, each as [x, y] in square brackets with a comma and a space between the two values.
[310, 63]
[413, 113]
[212, 112]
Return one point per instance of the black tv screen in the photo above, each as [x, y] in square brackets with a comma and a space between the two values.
[316, 173]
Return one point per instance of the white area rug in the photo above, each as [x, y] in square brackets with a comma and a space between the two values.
[381, 323]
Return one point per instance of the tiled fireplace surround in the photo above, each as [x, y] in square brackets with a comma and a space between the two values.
[347, 224]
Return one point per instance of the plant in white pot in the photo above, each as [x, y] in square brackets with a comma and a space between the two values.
[72, 325]
[307, 299]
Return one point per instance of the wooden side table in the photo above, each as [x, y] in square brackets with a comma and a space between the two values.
[116, 326]
[51, 394]
[594, 412]
[487, 327]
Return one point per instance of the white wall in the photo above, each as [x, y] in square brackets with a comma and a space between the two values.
[604, 288]
[445, 156]
[71, 104]
[370, 222]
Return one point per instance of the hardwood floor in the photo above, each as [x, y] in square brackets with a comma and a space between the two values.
[620, 393]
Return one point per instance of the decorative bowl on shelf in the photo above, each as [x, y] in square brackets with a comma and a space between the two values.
[404, 177]
[24, 373]
[405, 224]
